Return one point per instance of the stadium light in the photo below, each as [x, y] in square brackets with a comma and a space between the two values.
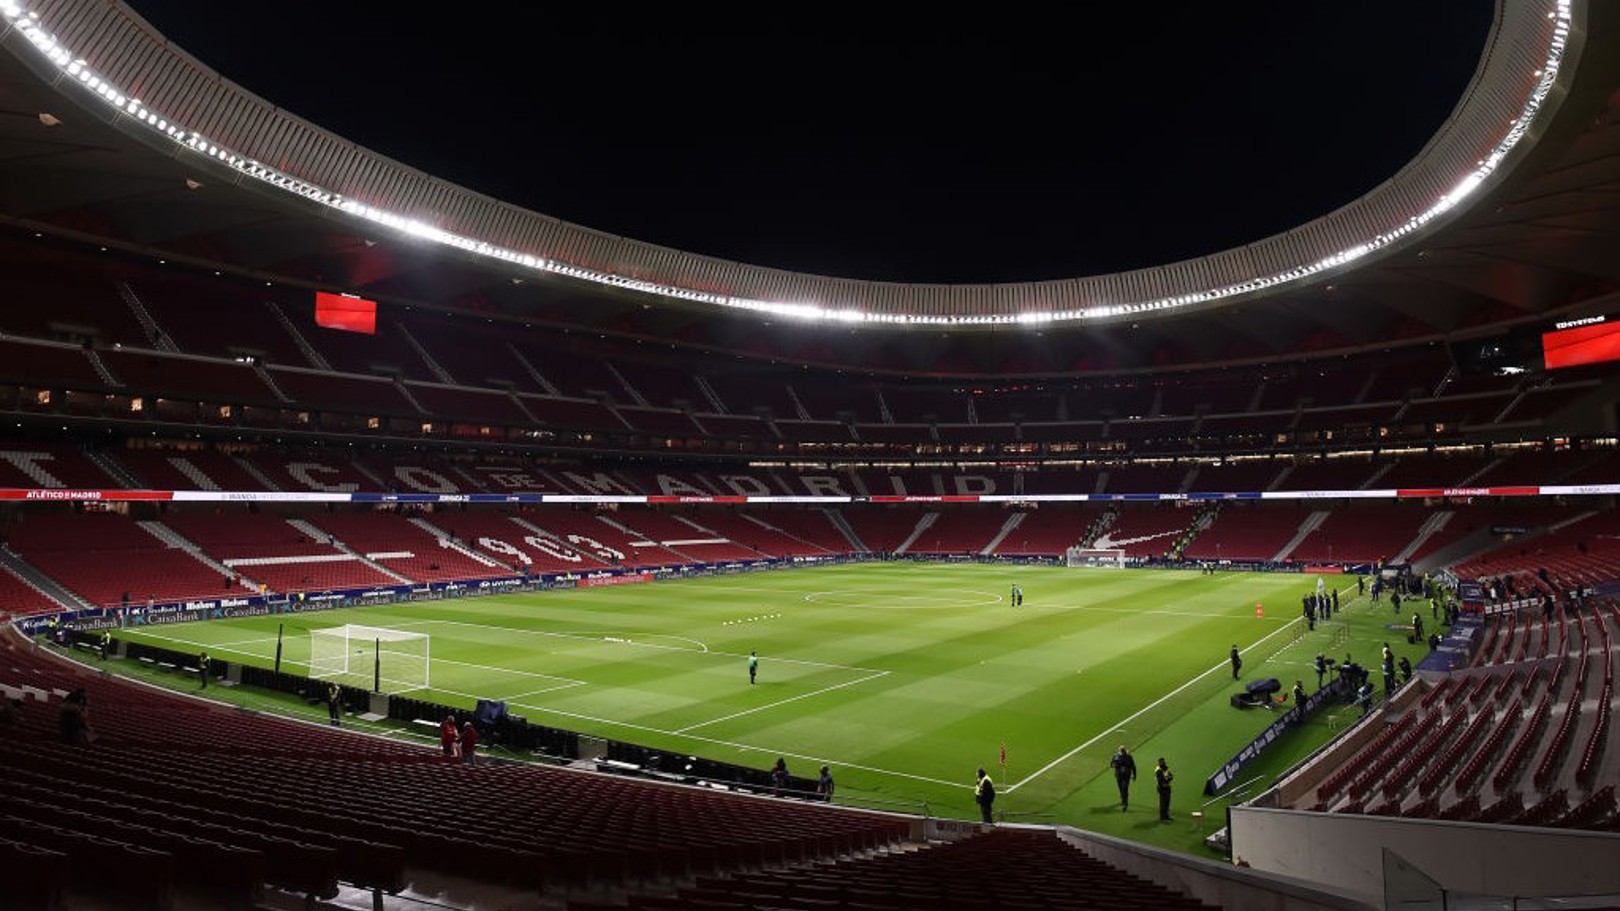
[29, 24]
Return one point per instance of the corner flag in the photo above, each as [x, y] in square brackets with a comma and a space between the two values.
[1004, 755]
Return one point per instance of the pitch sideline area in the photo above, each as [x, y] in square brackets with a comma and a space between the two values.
[903, 703]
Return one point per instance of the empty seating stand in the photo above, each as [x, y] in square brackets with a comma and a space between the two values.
[1005, 868]
[105, 556]
[1520, 737]
[47, 871]
[263, 813]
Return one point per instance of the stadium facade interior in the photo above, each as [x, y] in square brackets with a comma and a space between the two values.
[1422, 379]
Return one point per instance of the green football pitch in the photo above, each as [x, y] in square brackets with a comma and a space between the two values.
[903, 677]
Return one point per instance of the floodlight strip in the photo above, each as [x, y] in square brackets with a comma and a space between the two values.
[60, 494]
[28, 22]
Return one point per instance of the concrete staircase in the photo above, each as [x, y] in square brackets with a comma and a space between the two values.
[1013, 521]
[1312, 523]
[177, 541]
[923, 524]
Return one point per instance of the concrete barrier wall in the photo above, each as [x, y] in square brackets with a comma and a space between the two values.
[1209, 881]
[1345, 851]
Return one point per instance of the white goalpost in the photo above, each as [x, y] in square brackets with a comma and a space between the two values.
[1110, 557]
[389, 660]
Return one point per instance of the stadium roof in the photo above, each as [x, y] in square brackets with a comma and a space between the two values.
[939, 150]
[1503, 217]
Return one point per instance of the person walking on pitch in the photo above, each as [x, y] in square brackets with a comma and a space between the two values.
[1124, 765]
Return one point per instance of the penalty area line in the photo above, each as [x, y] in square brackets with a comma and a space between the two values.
[549, 689]
[781, 702]
[1138, 713]
[476, 696]
[580, 637]
[567, 681]
[596, 639]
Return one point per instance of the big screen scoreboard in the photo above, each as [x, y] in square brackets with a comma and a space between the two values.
[1572, 343]
[1560, 345]
[346, 313]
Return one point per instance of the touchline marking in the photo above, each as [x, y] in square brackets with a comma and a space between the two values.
[220, 647]
[565, 682]
[1138, 713]
[741, 746]
[241, 641]
[761, 708]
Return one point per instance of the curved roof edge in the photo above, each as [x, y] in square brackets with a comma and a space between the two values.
[149, 83]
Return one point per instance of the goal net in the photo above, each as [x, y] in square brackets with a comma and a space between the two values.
[1112, 557]
[395, 660]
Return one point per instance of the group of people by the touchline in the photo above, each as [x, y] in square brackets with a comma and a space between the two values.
[1124, 766]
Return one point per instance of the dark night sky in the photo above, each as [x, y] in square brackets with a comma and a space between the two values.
[935, 151]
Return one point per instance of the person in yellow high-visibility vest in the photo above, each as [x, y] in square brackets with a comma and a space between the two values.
[984, 794]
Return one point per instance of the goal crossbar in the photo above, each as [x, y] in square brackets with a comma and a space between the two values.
[1113, 557]
[373, 657]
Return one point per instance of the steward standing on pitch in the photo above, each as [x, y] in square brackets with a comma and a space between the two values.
[1162, 776]
[984, 794]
